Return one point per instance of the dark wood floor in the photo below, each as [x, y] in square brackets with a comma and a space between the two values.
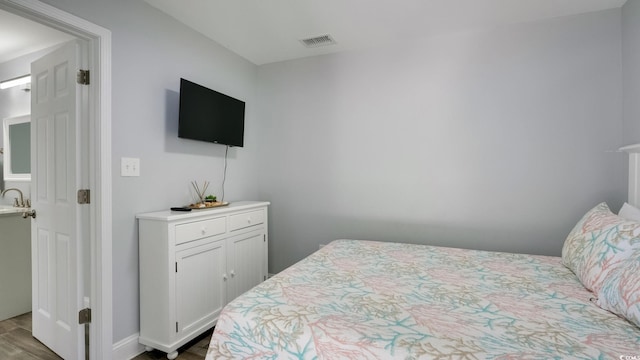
[16, 343]
[196, 349]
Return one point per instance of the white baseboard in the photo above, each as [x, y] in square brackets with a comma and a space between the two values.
[128, 348]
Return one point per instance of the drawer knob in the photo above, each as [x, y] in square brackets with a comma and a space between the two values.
[233, 273]
[249, 220]
[204, 230]
[224, 277]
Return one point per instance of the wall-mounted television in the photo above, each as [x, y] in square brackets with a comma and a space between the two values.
[208, 115]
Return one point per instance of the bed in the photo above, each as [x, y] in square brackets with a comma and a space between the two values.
[358, 299]
[375, 300]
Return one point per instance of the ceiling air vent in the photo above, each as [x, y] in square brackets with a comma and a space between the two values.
[317, 41]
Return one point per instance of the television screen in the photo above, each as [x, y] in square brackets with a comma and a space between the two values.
[208, 115]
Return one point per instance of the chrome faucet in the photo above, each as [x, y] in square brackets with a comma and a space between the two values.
[20, 202]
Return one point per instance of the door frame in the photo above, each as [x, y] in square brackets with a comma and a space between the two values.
[100, 215]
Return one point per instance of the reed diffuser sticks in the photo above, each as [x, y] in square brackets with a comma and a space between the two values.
[201, 192]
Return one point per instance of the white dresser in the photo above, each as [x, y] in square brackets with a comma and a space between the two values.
[194, 263]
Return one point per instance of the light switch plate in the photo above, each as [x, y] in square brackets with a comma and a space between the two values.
[129, 166]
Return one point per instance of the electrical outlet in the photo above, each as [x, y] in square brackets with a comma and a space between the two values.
[129, 166]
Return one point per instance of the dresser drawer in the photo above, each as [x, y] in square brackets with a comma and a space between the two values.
[200, 229]
[247, 219]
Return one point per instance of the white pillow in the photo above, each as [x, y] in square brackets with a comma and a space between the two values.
[629, 212]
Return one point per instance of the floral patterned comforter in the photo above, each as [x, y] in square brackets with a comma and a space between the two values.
[374, 300]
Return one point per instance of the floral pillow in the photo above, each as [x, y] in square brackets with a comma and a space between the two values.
[598, 243]
[620, 292]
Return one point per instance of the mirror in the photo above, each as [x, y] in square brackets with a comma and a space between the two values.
[17, 148]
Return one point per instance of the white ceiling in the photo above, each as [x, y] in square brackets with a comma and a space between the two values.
[265, 31]
[269, 31]
[19, 36]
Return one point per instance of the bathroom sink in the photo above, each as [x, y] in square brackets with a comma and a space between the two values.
[4, 209]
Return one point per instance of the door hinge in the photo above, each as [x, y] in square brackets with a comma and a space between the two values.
[84, 316]
[84, 196]
[176, 266]
[83, 77]
[176, 326]
[265, 278]
[264, 237]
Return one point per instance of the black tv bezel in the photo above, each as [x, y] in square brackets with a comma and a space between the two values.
[224, 139]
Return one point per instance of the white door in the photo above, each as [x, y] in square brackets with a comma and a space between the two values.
[246, 254]
[200, 286]
[56, 279]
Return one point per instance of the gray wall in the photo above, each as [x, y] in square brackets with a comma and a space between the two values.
[631, 70]
[15, 101]
[493, 139]
[151, 51]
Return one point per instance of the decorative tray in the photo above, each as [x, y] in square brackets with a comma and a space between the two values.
[207, 205]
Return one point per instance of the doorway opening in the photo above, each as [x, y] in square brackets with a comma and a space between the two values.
[96, 142]
[35, 41]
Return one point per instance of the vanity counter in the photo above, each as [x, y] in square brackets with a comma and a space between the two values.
[10, 210]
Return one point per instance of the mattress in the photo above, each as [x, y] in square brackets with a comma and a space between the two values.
[377, 300]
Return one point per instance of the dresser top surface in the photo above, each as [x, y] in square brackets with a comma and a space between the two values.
[168, 215]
